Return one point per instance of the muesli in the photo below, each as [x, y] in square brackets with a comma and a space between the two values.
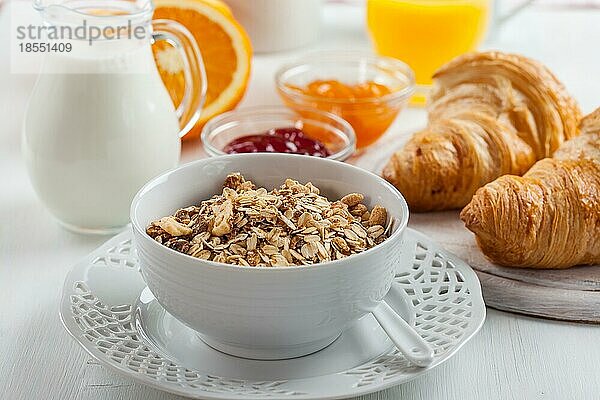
[290, 225]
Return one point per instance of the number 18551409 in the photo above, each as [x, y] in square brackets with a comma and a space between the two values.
[41, 47]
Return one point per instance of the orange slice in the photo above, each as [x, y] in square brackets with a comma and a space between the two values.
[225, 48]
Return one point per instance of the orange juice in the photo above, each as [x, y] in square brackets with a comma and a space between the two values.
[427, 33]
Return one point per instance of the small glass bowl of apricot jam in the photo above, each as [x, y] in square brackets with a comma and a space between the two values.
[277, 129]
[368, 91]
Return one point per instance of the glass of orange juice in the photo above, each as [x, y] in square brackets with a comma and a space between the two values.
[426, 34]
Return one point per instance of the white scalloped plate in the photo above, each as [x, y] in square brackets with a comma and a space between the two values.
[107, 308]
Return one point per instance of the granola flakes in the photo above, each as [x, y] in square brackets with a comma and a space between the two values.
[290, 225]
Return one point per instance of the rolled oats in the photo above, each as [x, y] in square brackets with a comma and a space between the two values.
[173, 227]
[358, 210]
[290, 225]
[365, 217]
[378, 216]
[352, 199]
[375, 231]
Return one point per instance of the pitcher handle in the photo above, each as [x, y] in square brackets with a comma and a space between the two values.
[194, 73]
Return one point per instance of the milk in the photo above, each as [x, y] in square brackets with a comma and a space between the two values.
[99, 125]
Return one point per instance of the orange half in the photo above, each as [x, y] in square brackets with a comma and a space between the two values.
[225, 48]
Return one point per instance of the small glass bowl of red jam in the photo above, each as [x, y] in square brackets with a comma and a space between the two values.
[267, 129]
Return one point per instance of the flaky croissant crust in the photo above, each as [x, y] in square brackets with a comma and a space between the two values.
[491, 114]
[550, 217]
[534, 92]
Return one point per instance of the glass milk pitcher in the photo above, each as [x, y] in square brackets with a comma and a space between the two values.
[100, 122]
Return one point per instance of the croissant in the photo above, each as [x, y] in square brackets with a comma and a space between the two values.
[550, 217]
[490, 114]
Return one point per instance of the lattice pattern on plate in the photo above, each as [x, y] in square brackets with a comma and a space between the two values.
[444, 292]
[111, 330]
[443, 303]
[121, 255]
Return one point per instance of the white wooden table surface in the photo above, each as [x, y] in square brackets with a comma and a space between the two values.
[513, 357]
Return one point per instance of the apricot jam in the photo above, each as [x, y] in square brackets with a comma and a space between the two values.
[364, 105]
[279, 140]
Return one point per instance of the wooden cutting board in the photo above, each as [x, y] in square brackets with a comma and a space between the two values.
[572, 294]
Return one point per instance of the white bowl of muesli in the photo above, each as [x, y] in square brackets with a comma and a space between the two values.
[268, 256]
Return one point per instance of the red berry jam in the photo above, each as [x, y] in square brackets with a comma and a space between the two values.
[278, 140]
